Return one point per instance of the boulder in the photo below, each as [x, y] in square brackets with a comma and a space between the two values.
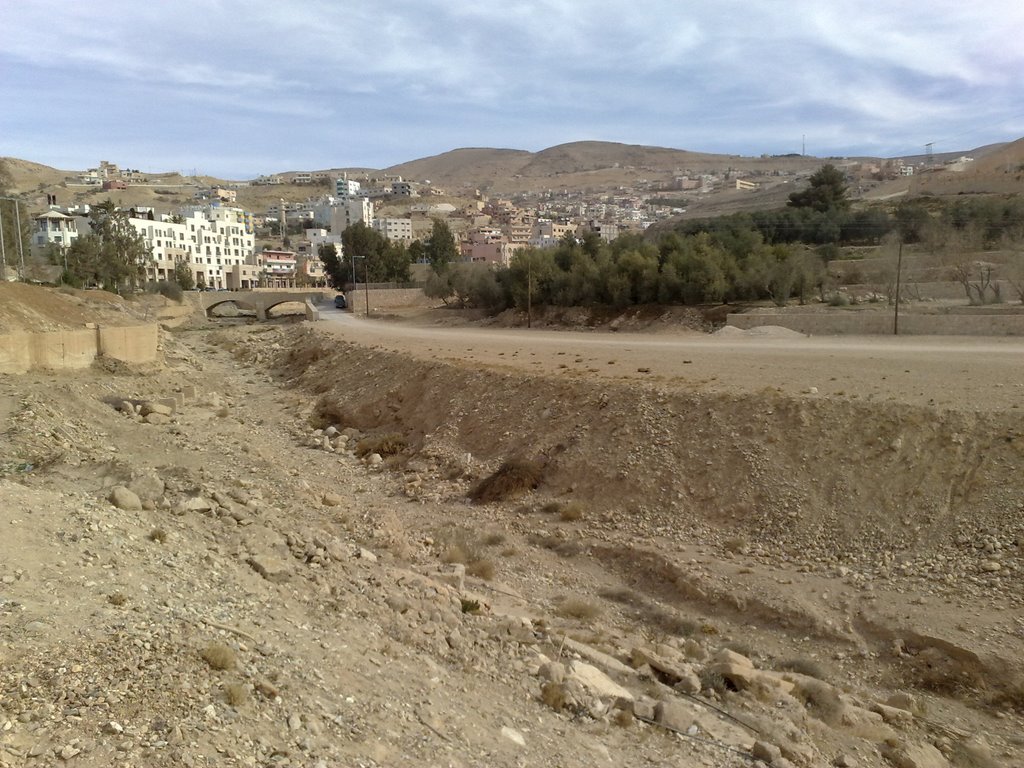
[122, 498]
[596, 682]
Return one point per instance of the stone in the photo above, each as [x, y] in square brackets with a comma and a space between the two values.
[596, 682]
[331, 500]
[147, 486]
[553, 671]
[844, 761]
[157, 418]
[367, 555]
[513, 735]
[903, 755]
[150, 407]
[892, 715]
[454, 575]
[600, 658]
[766, 751]
[374, 459]
[196, 504]
[122, 498]
[990, 566]
[644, 708]
[673, 714]
[113, 727]
[271, 568]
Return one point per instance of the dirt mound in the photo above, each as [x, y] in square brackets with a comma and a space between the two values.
[25, 307]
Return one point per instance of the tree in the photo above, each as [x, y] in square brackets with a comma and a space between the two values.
[827, 191]
[183, 275]
[114, 255]
[440, 248]
[334, 268]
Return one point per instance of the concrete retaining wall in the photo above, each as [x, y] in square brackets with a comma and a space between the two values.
[387, 298]
[21, 351]
[877, 323]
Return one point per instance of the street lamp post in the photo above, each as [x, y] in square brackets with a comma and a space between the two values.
[21, 247]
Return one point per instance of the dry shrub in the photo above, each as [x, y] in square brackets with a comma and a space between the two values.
[117, 599]
[578, 608]
[1010, 695]
[236, 694]
[821, 699]
[737, 545]
[385, 445]
[159, 535]
[493, 539]
[561, 547]
[482, 569]
[571, 512]
[513, 479]
[935, 671]
[623, 718]
[218, 656]
[553, 694]
[713, 681]
[804, 667]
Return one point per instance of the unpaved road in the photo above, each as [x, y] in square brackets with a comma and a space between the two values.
[957, 373]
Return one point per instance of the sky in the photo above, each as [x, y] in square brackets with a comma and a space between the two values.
[238, 88]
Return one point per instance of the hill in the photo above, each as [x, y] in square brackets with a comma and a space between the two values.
[594, 167]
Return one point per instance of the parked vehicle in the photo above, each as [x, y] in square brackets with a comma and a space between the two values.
[340, 302]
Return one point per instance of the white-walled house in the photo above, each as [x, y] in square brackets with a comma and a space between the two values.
[53, 228]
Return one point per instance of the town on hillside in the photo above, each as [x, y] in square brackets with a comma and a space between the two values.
[223, 246]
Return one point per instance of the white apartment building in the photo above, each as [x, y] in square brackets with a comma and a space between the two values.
[217, 242]
[347, 213]
[398, 230]
[346, 189]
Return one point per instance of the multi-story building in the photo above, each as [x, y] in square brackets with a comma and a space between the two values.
[398, 230]
[345, 188]
[348, 212]
[279, 268]
[215, 241]
[54, 228]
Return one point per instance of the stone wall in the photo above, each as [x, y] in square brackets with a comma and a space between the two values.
[21, 351]
[387, 298]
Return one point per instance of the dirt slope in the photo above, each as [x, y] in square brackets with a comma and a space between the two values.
[865, 558]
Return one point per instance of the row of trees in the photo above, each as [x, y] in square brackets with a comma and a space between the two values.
[112, 256]
[369, 256]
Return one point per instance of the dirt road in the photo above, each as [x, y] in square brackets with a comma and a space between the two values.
[956, 373]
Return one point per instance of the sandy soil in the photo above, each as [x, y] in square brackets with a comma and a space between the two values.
[860, 545]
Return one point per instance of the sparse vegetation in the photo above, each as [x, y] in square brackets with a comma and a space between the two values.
[578, 608]
[159, 535]
[236, 694]
[218, 656]
[117, 599]
[513, 479]
[384, 445]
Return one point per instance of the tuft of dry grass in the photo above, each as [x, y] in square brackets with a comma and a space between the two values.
[807, 667]
[218, 656]
[159, 535]
[117, 598]
[482, 569]
[513, 479]
[236, 694]
[493, 539]
[822, 700]
[385, 445]
[571, 512]
[623, 718]
[578, 608]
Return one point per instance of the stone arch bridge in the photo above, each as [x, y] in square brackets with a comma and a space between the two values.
[262, 301]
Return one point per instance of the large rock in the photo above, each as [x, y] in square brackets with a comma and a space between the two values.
[271, 568]
[147, 486]
[914, 756]
[596, 682]
[122, 498]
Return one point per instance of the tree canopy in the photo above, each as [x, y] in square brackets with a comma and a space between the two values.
[114, 255]
[827, 191]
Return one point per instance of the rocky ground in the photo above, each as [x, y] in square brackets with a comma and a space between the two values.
[263, 552]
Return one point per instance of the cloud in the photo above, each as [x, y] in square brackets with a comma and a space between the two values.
[358, 83]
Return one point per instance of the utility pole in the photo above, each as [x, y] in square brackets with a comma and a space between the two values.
[3, 251]
[21, 246]
[529, 293]
[899, 272]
